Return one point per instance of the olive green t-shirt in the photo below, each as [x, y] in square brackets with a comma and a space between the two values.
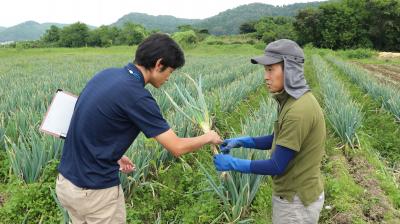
[300, 127]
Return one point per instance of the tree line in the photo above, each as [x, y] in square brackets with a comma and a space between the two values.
[79, 35]
[336, 25]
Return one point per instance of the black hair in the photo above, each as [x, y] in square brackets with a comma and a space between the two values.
[158, 46]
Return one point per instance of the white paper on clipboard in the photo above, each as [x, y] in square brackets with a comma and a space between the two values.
[58, 116]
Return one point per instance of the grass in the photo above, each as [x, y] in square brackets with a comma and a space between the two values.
[351, 189]
[369, 204]
[379, 126]
[361, 53]
[178, 191]
[340, 189]
[238, 190]
[232, 122]
[32, 52]
[172, 191]
[380, 141]
[387, 95]
[175, 193]
[261, 210]
[200, 50]
[380, 61]
[341, 111]
[233, 49]
[341, 192]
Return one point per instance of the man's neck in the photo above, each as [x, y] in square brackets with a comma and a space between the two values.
[281, 96]
[145, 72]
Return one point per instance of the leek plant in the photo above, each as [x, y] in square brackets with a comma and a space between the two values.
[238, 190]
[230, 95]
[31, 153]
[221, 78]
[213, 75]
[2, 131]
[342, 112]
[383, 93]
[28, 84]
[146, 152]
[195, 108]
[183, 127]
[141, 154]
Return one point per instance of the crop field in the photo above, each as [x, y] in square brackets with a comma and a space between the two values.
[361, 169]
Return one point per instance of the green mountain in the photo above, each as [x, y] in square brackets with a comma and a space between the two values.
[163, 23]
[229, 21]
[226, 22]
[29, 30]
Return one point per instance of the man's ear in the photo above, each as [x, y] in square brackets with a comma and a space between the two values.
[159, 66]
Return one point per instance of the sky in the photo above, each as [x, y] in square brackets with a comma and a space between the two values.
[106, 12]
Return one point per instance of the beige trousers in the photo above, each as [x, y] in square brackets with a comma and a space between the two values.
[87, 206]
[285, 212]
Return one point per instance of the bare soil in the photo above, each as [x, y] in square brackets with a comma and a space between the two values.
[379, 204]
[385, 73]
[342, 218]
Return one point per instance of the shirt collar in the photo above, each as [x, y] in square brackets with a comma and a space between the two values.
[281, 97]
[135, 72]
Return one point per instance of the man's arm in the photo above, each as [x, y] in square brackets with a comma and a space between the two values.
[276, 165]
[179, 146]
[263, 142]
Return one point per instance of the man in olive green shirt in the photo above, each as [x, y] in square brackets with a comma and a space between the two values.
[297, 142]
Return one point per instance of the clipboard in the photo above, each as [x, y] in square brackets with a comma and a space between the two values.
[58, 116]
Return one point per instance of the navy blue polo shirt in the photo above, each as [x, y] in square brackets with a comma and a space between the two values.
[111, 111]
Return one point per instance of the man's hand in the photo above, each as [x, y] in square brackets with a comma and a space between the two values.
[126, 165]
[226, 162]
[228, 144]
[179, 146]
[214, 138]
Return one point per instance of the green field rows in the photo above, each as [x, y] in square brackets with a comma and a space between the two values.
[361, 167]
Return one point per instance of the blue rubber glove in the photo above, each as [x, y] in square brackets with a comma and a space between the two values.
[226, 162]
[245, 141]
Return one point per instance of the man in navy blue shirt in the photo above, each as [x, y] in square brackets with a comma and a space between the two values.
[113, 108]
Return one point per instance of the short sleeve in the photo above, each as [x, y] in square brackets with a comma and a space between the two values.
[293, 131]
[146, 115]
